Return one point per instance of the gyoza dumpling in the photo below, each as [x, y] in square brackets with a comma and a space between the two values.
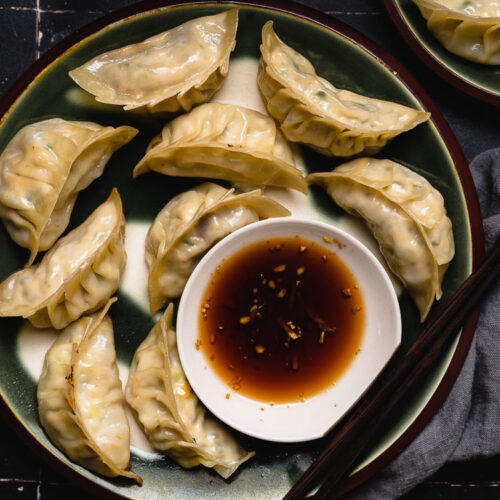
[311, 110]
[405, 214]
[80, 397]
[188, 225]
[170, 413]
[76, 276]
[469, 28]
[173, 70]
[224, 141]
[43, 168]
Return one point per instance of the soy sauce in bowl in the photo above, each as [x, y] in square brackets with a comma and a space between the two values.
[281, 319]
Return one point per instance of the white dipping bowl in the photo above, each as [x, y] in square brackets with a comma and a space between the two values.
[313, 418]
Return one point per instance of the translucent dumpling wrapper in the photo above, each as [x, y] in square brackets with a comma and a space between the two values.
[43, 168]
[76, 276]
[405, 214]
[189, 225]
[224, 141]
[467, 28]
[80, 397]
[311, 110]
[171, 71]
[171, 415]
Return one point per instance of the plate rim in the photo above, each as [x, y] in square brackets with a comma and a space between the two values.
[321, 19]
[432, 61]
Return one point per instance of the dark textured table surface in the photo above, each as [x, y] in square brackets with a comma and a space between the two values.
[28, 28]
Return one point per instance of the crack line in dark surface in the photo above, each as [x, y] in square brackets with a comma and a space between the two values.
[39, 485]
[352, 13]
[49, 11]
[17, 8]
[480, 484]
[38, 9]
[37, 30]
[17, 480]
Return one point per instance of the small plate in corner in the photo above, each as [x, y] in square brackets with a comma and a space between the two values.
[478, 80]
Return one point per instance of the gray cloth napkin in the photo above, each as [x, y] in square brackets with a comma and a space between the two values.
[467, 425]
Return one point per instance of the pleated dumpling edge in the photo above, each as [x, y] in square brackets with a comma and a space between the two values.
[80, 397]
[224, 141]
[169, 411]
[405, 214]
[468, 29]
[309, 109]
[164, 73]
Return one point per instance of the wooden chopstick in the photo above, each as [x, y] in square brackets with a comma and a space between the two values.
[355, 433]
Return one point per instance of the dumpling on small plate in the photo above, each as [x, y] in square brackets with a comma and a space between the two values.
[43, 168]
[188, 225]
[467, 28]
[172, 71]
[80, 397]
[76, 276]
[405, 214]
[171, 415]
[224, 141]
[309, 109]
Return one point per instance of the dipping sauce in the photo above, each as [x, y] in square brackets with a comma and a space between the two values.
[281, 319]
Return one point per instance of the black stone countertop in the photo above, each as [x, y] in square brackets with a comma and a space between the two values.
[28, 28]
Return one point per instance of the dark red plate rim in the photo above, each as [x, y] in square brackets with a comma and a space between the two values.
[432, 62]
[405, 77]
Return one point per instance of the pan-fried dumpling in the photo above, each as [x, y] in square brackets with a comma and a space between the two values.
[188, 225]
[405, 214]
[468, 28]
[76, 276]
[168, 72]
[170, 413]
[224, 141]
[311, 110]
[80, 397]
[43, 168]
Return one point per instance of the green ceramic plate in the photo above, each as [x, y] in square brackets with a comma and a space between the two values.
[478, 80]
[342, 56]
